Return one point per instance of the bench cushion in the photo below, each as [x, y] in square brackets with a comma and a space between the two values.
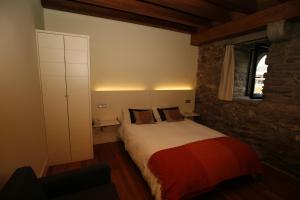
[23, 184]
[107, 192]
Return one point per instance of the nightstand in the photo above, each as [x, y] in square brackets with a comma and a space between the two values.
[103, 123]
[105, 131]
[191, 115]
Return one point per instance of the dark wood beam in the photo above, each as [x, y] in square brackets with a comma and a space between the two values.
[86, 9]
[263, 4]
[258, 20]
[243, 6]
[142, 8]
[199, 8]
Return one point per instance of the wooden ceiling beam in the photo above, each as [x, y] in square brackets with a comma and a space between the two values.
[86, 9]
[243, 6]
[142, 8]
[199, 8]
[252, 22]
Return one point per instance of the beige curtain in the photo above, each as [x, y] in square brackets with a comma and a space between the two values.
[227, 75]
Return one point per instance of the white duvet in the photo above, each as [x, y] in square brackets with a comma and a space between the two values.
[141, 141]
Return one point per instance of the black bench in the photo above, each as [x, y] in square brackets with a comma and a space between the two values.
[88, 183]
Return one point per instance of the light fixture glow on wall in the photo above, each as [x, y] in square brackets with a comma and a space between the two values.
[140, 88]
[120, 88]
[173, 88]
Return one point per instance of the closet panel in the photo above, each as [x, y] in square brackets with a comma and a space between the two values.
[79, 117]
[53, 84]
[50, 40]
[51, 48]
[56, 119]
[76, 43]
[76, 49]
[76, 56]
[77, 78]
[52, 55]
[77, 70]
[64, 74]
[52, 69]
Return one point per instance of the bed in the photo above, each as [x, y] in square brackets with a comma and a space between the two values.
[144, 141]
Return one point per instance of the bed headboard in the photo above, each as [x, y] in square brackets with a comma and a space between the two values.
[112, 102]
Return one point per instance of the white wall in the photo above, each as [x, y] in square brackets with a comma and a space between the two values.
[130, 56]
[22, 135]
[117, 100]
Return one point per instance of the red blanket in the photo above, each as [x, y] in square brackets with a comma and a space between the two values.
[197, 167]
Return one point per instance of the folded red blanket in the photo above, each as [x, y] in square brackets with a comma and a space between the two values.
[197, 167]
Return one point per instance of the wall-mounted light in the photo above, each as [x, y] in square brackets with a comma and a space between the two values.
[173, 88]
[141, 88]
[120, 88]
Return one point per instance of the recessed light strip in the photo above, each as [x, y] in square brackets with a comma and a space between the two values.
[121, 88]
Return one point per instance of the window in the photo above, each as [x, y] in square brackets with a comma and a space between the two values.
[257, 69]
[250, 69]
[261, 69]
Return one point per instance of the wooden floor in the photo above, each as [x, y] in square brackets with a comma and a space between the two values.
[131, 186]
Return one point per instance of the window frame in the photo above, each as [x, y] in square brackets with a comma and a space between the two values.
[255, 54]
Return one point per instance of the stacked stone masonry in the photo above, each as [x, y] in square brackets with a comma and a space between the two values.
[269, 125]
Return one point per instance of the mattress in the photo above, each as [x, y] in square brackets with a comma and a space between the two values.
[142, 141]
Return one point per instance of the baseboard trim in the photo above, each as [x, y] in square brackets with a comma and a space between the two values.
[44, 169]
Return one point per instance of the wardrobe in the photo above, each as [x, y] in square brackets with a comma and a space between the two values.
[65, 86]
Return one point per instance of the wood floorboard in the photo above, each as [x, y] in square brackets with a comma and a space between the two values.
[273, 185]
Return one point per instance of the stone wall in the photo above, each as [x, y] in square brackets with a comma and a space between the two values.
[269, 125]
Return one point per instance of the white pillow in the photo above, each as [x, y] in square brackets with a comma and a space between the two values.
[156, 114]
[125, 116]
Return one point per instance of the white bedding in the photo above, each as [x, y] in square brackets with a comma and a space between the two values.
[141, 141]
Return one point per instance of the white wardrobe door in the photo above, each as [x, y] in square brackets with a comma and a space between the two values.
[77, 75]
[52, 69]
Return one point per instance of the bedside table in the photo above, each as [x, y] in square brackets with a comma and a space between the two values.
[103, 123]
[191, 115]
[105, 131]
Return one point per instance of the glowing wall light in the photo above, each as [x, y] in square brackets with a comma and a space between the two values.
[120, 88]
[141, 88]
[179, 87]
